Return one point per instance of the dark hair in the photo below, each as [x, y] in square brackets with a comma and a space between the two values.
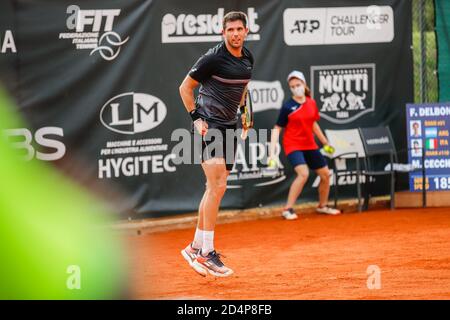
[234, 16]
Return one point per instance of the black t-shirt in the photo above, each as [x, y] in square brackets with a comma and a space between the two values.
[223, 78]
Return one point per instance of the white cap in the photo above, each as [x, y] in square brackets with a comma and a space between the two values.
[296, 74]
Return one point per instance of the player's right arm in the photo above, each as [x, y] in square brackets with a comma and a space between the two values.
[186, 89]
[275, 134]
[274, 138]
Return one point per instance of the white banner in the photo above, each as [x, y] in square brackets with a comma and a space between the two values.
[342, 25]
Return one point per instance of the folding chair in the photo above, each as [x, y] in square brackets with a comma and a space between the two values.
[379, 145]
[346, 159]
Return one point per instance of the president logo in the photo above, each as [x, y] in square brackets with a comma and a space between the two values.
[93, 30]
[189, 28]
[131, 113]
[343, 92]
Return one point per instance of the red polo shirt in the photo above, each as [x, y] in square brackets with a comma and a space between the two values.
[298, 120]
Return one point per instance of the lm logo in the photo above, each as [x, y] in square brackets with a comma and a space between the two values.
[131, 113]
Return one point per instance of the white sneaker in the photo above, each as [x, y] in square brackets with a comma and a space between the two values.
[328, 210]
[190, 254]
[289, 214]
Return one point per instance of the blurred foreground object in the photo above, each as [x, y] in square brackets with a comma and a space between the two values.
[54, 237]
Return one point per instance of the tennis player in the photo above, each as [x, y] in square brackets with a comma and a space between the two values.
[299, 116]
[223, 73]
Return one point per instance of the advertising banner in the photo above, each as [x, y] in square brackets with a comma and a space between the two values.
[98, 84]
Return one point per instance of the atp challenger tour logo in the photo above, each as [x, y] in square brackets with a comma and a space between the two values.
[131, 113]
[87, 27]
[189, 28]
[338, 25]
[343, 92]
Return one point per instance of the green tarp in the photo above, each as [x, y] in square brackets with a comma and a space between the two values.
[443, 35]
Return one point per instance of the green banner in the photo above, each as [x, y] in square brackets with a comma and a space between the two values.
[443, 35]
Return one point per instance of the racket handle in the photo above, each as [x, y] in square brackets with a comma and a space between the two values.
[244, 134]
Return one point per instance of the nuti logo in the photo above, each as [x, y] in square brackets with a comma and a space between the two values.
[86, 26]
[189, 28]
[131, 113]
[7, 44]
[344, 92]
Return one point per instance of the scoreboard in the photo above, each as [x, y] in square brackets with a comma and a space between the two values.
[428, 127]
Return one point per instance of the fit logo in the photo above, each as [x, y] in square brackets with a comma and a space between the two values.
[80, 19]
[86, 26]
[131, 113]
[374, 277]
[74, 280]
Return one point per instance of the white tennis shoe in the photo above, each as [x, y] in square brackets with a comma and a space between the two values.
[328, 210]
[289, 214]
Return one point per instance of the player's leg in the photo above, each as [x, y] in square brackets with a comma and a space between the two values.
[317, 162]
[302, 172]
[216, 175]
[198, 238]
[191, 251]
[216, 172]
[216, 184]
[324, 186]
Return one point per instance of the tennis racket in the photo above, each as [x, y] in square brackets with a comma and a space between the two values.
[248, 112]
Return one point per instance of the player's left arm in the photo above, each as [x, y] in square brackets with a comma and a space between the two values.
[319, 134]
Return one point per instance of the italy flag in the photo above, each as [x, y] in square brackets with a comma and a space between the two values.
[431, 144]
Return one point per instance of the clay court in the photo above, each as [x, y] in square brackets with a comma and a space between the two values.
[314, 257]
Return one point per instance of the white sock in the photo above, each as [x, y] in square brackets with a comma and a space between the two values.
[208, 242]
[198, 239]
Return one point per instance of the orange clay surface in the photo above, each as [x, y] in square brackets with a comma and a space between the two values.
[314, 257]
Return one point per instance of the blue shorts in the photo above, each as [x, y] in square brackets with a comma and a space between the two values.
[313, 158]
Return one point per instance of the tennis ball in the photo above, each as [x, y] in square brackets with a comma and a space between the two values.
[272, 163]
[328, 149]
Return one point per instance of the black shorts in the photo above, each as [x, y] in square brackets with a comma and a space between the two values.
[220, 142]
[313, 158]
